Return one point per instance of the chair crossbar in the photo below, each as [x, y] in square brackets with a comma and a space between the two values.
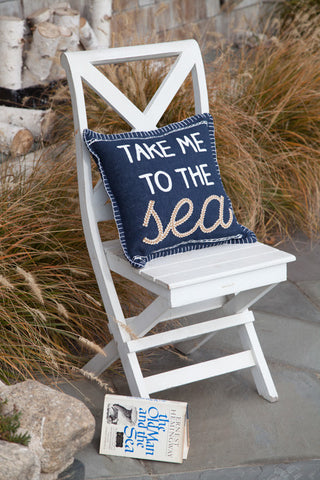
[185, 333]
[142, 323]
[199, 371]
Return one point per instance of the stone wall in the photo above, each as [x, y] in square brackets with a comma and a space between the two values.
[177, 19]
[138, 19]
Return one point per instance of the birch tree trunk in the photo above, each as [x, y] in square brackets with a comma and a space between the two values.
[15, 140]
[39, 58]
[88, 38]
[99, 13]
[11, 45]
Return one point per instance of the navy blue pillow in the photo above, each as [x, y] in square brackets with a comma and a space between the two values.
[166, 190]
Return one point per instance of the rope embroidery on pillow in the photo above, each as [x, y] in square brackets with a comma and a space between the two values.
[174, 222]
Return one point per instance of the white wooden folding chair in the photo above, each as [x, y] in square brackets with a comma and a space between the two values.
[223, 280]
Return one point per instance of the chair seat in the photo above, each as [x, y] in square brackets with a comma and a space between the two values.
[224, 268]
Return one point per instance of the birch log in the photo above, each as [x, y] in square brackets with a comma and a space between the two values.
[39, 16]
[15, 140]
[88, 38]
[69, 18]
[39, 122]
[39, 58]
[66, 39]
[60, 5]
[99, 13]
[11, 45]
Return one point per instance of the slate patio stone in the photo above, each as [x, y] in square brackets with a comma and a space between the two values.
[235, 434]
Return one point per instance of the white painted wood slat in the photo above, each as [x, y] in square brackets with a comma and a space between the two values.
[227, 285]
[220, 252]
[199, 371]
[211, 271]
[184, 333]
[213, 262]
[134, 53]
[168, 89]
[116, 99]
[208, 263]
[217, 255]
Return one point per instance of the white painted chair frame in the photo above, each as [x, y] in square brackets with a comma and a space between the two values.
[212, 287]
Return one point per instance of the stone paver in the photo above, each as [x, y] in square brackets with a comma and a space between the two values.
[311, 290]
[284, 340]
[309, 470]
[234, 433]
[280, 301]
[306, 266]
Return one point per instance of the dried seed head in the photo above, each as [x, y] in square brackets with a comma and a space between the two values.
[62, 310]
[91, 376]
[34, 287]
[91, 345]
[5, 283]
[93, 300]
[80, 273]
[50, 355]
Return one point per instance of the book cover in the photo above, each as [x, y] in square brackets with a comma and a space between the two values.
[144, 428]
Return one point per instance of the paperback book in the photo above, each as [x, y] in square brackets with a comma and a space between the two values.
[145, 428]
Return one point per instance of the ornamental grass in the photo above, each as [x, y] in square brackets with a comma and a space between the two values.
[46, 296]
[265, 100]
[51, 316]
[268, 132]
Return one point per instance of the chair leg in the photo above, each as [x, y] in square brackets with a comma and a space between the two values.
[121, 334]
[260, 371]
[250, 341]
[99, 363]
[153, 314]
[133, 374]
[139, 326]
[244, 300]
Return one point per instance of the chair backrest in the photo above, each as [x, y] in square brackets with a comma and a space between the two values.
[80, 67]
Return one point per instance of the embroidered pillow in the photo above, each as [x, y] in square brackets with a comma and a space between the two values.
[166, 190]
